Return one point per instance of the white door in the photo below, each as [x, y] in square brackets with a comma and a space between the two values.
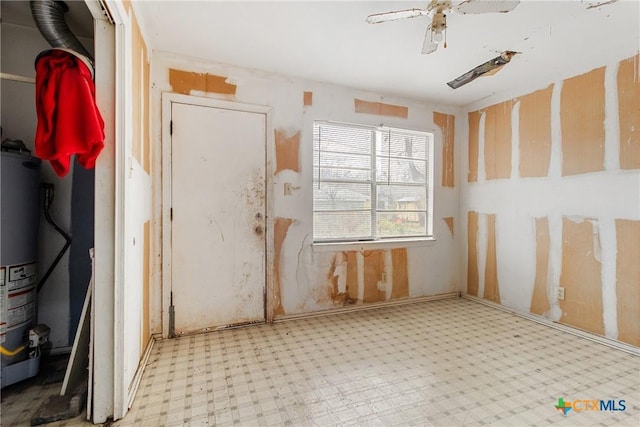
[218, 210]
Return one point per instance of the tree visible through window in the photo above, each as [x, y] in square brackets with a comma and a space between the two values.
[370, 182]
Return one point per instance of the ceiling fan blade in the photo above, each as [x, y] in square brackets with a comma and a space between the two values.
[393, 16]
[481, 69]
[487, 6]
[429, 46]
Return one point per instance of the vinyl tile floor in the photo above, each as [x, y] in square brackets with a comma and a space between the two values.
[451, 362]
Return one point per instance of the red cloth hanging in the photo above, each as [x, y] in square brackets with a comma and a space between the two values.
[69, 121]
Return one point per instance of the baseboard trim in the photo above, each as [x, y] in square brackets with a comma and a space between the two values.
[618, 345]
[135, 383]
[362, 307]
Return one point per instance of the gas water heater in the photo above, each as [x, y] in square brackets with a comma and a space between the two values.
[20, 339]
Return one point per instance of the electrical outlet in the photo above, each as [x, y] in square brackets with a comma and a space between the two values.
[384, 276]
[560, 293]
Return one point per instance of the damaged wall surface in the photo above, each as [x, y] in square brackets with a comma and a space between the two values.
[552, 200]
[308, 278]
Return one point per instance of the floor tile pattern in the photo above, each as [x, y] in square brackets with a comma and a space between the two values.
[443, 363]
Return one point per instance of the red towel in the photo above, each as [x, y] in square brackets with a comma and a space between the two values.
[68, 119]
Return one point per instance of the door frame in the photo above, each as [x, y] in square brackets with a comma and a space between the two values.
[169, 98]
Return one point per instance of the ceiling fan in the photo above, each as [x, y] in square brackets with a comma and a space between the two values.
[437, 10]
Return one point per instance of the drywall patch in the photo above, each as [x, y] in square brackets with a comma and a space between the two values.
[380, 109]
[628, 280]
[540, 299]
[629, 112]
[307, 99]
[497, 140]
[581, 276]
[280, 229]
[185, 81]
[474, 131]
[472, 262]
[491, 288]
[449, 221]
[447, 123]
[287, 151]
[373, 269]
[400, 274]
[535, 133]
[582, 114]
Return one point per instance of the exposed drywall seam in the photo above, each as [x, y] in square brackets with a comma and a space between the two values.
[307, 99]
[360, 266]
[555, 265]
[481, 249]
[287, 151]
[608, 250]
[380, 109]
[515, 140]
[611, 120]
[388, 270]
[555, 163]
[481, 130]
[474, 131]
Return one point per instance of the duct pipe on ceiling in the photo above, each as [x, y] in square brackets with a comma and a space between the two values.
[49, 18]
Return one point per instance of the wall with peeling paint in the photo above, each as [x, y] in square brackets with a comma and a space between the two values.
[552, 199]
[306, 279]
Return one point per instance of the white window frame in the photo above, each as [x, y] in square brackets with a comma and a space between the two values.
[375, 241]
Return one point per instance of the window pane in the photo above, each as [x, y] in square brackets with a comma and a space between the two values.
[341, 196]
[401, 198]
[342, 225]
[328, 137]
[402, 171]
[401, 224]
[343, 162]
[340, 174]
[397, 144]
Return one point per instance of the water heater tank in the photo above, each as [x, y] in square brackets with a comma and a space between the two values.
[19, 217]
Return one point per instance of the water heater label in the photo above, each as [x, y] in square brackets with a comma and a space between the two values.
[21, 276]
[18, 295]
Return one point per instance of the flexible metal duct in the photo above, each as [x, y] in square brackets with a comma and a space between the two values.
[49, 18]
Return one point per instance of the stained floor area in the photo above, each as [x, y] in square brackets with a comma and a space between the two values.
[444, 363]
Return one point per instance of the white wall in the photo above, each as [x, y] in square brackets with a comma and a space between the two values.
[433, 268]
[20, 46]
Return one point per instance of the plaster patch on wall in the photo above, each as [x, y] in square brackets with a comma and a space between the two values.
[400, 273]
[581, 277]
[535, 133]
[185, 81]
[540, 299]
[481, 249]
[607, 258]
[287, 151]
[472, 263]
[491, 288]
[629, 112]
[628, 281]
[307, 99]
[373, 269]
[582, 115]
[447, 123]
[380, 109]
[497, 140]
[449, 221]
[474, 129]
[280, 229]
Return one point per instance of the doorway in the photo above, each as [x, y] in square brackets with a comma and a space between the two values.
[218, 213]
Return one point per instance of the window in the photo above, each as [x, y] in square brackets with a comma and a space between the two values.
[370, 183]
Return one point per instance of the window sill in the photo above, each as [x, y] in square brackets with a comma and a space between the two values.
[373, 244]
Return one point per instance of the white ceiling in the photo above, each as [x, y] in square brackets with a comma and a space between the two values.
[331, 42]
